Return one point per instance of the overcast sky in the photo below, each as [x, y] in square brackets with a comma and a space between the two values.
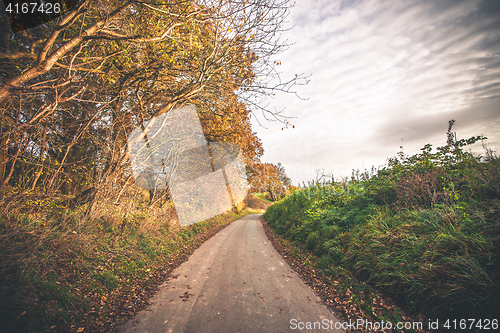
[384, 73]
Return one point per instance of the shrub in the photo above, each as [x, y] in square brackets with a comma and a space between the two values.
[425, 229]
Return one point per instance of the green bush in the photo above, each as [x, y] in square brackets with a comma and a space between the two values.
[424, 230]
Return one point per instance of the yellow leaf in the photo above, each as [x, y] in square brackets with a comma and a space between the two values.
[80, 329]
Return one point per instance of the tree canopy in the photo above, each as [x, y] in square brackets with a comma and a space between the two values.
[73, 88]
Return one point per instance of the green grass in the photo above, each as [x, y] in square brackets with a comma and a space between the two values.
[425, 231]
[262, 196]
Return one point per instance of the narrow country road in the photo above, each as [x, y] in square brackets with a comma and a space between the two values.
[235, 282]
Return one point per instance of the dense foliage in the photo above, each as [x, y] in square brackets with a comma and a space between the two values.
[72, 89]
[78, 239]
[425, 229]
[270, 179]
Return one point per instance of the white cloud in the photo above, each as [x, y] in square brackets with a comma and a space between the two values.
[375, 62]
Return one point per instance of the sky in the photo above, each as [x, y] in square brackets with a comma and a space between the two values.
[384, 74]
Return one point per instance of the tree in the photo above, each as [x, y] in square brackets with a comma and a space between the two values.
[73, 89]
[270, 178]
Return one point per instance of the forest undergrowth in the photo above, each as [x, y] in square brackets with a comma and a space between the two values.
[66, 269]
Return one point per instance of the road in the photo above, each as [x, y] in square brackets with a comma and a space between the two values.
[234, 282]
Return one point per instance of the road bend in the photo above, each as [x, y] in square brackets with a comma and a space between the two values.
[235, 282]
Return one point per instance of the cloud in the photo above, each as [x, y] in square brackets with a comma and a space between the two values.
[382, 70]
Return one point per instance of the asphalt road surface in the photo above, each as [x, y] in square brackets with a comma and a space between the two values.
[234, 282]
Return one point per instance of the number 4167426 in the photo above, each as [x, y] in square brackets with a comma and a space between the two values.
[485, 324]
[33, 7]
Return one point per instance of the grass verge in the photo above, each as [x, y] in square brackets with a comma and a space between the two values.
[424, 231]
[64, 271]
[347, 297]
[262, 196]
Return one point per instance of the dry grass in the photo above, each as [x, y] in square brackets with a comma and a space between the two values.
[65, 268]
